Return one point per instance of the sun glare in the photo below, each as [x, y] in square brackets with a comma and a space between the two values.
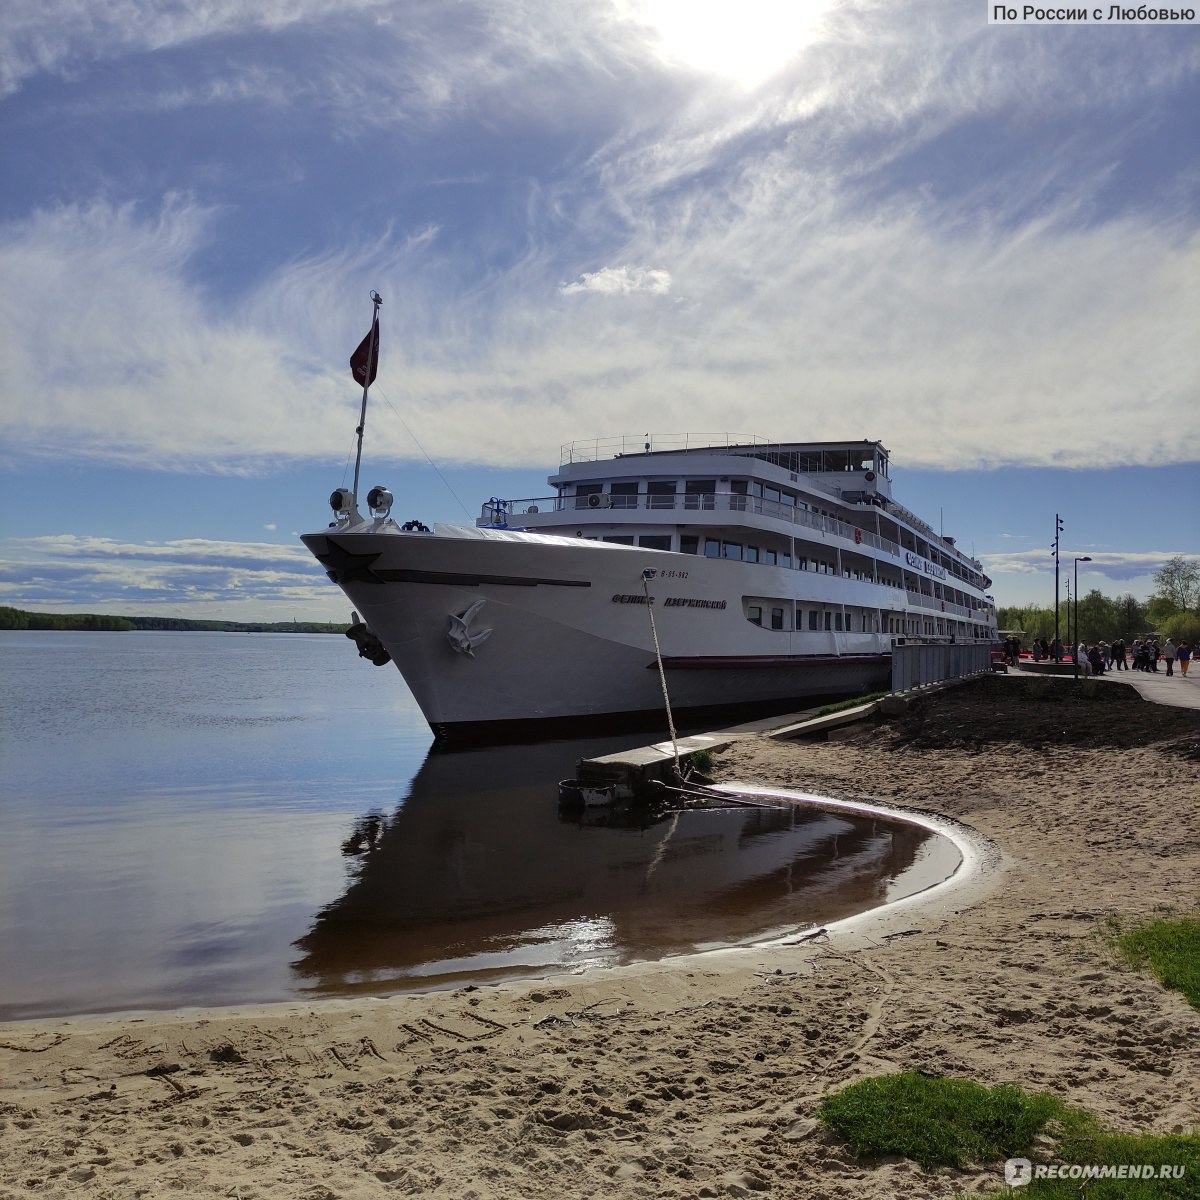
[745, 40]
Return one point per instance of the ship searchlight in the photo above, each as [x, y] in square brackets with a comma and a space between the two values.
[342, 502]
[380, 501]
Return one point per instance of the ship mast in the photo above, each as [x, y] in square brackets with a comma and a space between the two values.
[369, 369]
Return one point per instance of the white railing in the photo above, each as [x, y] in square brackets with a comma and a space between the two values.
[595, 449]
[497, 513]
[693, 502]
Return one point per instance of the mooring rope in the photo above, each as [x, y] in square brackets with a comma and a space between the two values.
[647, 575]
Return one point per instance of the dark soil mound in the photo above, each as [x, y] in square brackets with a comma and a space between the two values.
[1039, 712]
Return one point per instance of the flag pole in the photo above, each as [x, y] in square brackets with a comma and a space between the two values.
[368, 375]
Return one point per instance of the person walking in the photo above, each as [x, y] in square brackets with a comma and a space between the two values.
[1169, 652]
[1118, 653]
[1184, 657]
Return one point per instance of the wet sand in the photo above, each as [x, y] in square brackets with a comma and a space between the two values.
[699, 1076]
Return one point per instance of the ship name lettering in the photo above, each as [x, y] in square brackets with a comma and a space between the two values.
[632, 598]
[922, 564]
[691, 602]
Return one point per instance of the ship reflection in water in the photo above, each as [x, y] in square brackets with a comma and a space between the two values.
[478, 877]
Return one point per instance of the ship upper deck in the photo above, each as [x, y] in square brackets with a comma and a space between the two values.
[840, 480]
[809, 458]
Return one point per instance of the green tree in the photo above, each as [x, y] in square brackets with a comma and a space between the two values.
[13, 618]
[1182, 627]
[1130, 615]
[1097, 617]
[1177, 585]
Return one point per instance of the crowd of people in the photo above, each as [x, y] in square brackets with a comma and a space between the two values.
[1144, 654]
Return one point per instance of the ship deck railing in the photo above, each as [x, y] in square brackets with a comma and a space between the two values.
[596, 449]
[925, 600]
[700, 502]
[726, 502]
[714, 502]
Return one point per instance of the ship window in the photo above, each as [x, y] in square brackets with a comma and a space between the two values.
[752, 554]
[756, 489]
[801, 563]
[828, 620]
[789, 498]
[712, 548]
[698, 493]
[769, 557]
[771, 494]
[661, 493]
[837, 621]
[655, 541]
[814, 619]
[619, 539]
[738, 487]
[754, 614]
[731, 550]
[785, 560]
[689, 544]
[777, 618]
[624, 495]
[584, 490]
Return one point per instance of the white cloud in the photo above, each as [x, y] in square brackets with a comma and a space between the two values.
[58, 35]
[1120, 566]
[833, 283]
[70, 572]
[622, 281]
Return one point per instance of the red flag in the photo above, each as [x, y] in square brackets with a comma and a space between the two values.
[364, 362]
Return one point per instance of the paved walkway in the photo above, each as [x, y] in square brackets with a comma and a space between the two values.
[1179, 691]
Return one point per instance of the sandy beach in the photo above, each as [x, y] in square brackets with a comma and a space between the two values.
[699, 1076]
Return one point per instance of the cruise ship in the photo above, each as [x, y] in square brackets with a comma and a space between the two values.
[724, 575]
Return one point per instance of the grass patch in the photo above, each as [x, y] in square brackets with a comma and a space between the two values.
[937, 1122]
[842, 705]
[1089, 1146]
[701, 761]
[1169, 949]
[957, 1122]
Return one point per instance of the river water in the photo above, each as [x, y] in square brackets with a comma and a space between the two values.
[208, 818]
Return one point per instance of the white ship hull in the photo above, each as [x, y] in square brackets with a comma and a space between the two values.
[566, 630]
[771, 574]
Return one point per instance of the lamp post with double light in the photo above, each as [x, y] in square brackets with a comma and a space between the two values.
[1082, 558]
[1058, 525]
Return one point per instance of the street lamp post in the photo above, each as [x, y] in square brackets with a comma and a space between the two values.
[1082, 558]
[1069, 611]
[1057, 533]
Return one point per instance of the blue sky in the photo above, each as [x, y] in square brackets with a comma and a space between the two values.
[979, 244]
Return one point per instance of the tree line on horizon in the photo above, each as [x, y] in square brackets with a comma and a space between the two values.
[15, 618]
[1172, 611]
